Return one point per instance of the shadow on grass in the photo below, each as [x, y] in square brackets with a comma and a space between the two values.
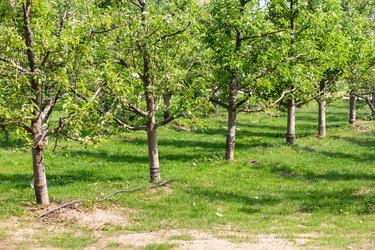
[132, 159]
[287, 172]
[333, 201]
[244, 128]
[318, 200]
[232, 197]
[337, 176]
[362, 142]
[192, 150]
[369, 157]
[22, 181]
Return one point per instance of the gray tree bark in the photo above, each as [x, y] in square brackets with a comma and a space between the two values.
[231, 135]
[291, 130]
[153, 152]
[232, 118]
[322, 118]
[40, 179]
[167, 103]
[216, 106]
[352, 109]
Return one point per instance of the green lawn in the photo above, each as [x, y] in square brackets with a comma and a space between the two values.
[323, 186]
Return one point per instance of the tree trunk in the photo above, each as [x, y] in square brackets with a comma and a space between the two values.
[352, 110]
[231, 135]
[153, 152]
[372, 104]
[167, 103]
[40, 179]
[232, 117]
[291, 131]
[216, 106]
[322, 118]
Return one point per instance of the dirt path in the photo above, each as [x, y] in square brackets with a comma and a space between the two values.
[105, 227]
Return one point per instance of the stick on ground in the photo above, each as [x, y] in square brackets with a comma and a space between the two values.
[164, 183]
[59, 207]
[118, 192]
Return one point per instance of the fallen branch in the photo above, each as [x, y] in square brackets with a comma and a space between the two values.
[137, 189]
[59, 207]
[118, 192]
[164, 183]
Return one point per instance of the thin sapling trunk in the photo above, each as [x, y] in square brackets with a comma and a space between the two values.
[352, 109]
[322, 118]
[291, 131]
[232, 118]
[153, 152]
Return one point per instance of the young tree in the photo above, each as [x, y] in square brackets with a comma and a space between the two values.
[152, 48]
[245, 52]
[41, 44]
[316, 37]
[359, 23]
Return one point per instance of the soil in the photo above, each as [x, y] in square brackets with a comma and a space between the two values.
[24, 233]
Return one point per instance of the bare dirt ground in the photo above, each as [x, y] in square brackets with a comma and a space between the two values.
[25, 233]
[364, 126]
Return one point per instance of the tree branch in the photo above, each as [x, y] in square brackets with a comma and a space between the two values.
[170, 119]
[368, 100]
[138, 110]
[261, 35]
[139, 6]
[49, 112]
[241, 102]
[173, 34]
[19, 123]
[28, 35]
[63, 123]
[119, 192]
[15, 65]
[60, 207]
[93, 97]
[104, 31]
[270, 105]
[132, 128]
[318, 93]
[216, 101]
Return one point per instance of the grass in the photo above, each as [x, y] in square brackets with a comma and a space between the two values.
[3, 235]
[67, 240]
[114, 245]
[324, 186]
[184, 237]
[163, 246]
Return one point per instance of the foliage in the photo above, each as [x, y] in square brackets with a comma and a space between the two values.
[166, 35]
[317, 41]
[242, 41]
[63, 62]
[359, 25]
